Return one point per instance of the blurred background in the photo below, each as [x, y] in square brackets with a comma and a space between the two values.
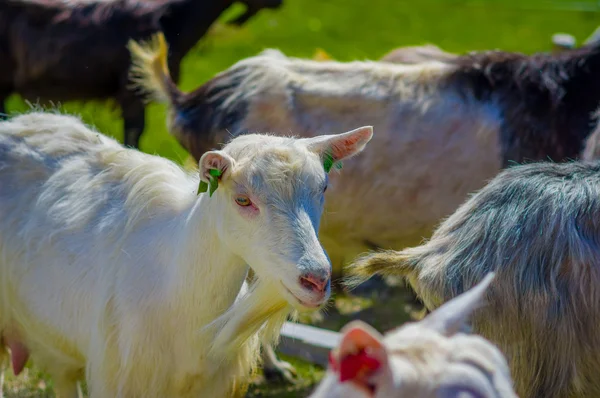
[343, 30]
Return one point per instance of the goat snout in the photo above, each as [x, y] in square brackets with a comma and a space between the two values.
[315, 282]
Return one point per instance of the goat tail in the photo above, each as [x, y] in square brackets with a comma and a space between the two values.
[385, 263]
[149, 70]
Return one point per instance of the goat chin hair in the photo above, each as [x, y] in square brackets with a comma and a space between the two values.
[256, 311]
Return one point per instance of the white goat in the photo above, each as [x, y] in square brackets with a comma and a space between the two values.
[427, 359]
[112, 267]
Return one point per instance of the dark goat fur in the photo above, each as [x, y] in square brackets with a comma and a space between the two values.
[205, 110]
[537, 227]
[56, 51]
[547, 100]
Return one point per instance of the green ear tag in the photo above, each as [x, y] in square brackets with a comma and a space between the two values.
[327, 162]
[214, 182]
[202, 187]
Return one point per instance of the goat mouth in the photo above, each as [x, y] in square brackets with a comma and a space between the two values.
[300, 301]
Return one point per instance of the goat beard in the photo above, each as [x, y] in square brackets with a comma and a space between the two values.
[255, 314]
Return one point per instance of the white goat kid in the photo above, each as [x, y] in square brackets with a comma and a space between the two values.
[113, 268]
[426, 359]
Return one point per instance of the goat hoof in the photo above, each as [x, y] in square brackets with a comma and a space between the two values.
[281, 372]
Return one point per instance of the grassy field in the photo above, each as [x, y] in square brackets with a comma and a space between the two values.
[347, 30]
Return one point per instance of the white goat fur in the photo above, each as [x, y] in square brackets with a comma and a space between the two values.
[112, 266]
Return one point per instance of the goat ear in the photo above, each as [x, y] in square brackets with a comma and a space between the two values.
[214, 167]
[452, 316]
[361, 351]
[334, 148]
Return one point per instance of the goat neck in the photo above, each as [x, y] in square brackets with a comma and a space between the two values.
[208, 270]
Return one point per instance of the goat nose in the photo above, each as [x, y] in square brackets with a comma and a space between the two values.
[314, 282]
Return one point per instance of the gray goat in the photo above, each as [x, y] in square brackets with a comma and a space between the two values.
[537, 227]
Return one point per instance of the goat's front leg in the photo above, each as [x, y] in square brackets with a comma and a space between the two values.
[4, 364]
[134, 115]
[3, 116]
[275, 369]
[65, 387]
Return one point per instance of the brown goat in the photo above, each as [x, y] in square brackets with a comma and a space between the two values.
[59, 51]
[443, 129]
[536, 226]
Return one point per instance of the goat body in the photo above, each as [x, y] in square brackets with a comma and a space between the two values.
[61, 51]
[113, 269]
[66, 51]
[536, 227]
[444, 129]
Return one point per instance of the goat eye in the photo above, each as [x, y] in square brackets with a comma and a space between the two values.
[243, 200]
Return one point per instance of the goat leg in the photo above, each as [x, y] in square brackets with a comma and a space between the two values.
[134, 114]
[3, 116]
[67, 388]
[275, 369]
[3, 366]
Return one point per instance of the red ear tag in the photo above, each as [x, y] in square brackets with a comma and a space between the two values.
[357, 366]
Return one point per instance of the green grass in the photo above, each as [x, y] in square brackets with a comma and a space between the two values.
[347, 30]
[309, 376]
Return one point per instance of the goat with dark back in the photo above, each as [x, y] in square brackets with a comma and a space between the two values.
[57, 51]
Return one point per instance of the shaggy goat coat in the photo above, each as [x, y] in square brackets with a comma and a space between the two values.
[444, 129]
[112, 266]
[537, 227]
